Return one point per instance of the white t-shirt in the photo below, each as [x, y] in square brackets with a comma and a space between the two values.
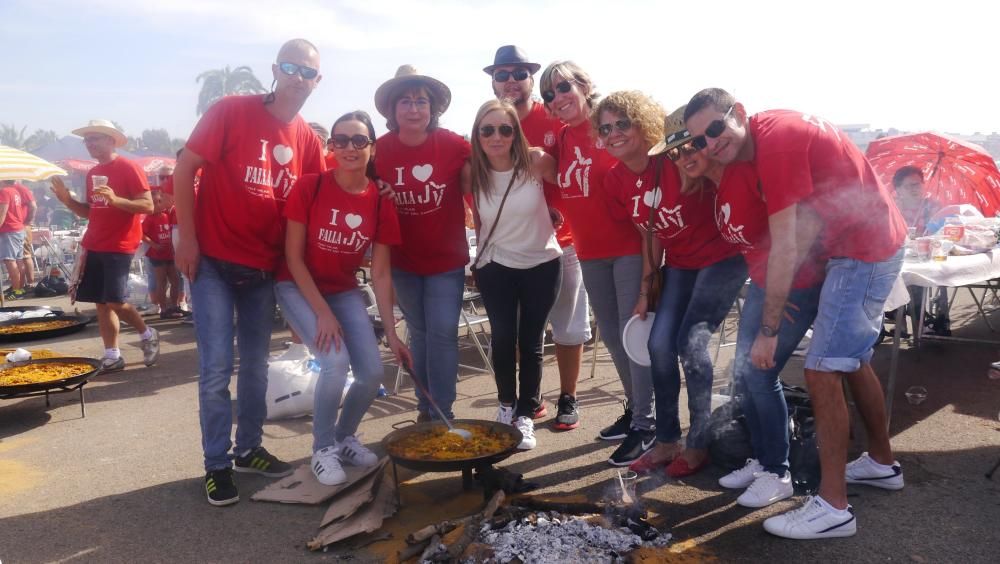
[524, 237]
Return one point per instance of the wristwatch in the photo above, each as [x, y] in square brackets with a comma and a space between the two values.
[768, 331]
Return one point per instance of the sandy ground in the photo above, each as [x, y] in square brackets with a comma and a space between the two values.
[124, 484]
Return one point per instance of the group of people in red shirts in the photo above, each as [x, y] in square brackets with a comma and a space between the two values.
[17, 211]
[579, 201]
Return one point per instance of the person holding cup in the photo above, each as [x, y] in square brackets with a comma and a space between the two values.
[117, 194]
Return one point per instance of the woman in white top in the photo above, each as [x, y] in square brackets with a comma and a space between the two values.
[517, 260]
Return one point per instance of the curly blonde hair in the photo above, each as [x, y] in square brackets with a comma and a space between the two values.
[644, 113]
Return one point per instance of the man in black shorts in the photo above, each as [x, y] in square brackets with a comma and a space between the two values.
[116, 194]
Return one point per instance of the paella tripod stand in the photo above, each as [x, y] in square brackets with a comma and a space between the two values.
[468, 484]
[60, 389]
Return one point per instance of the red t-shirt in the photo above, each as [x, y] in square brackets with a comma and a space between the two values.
[252, 161]
[683, 222]
[340, 227]
[427, 180]
[27, 198]
[156, 227]
[803, 158]
[14, 220]
[540, 130]
[111, 230]
[742, 219]
[583, 163]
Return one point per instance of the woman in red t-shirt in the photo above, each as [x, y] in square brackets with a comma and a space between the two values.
[423, 164]
[608, 245]
[702, 274]
[332, 220]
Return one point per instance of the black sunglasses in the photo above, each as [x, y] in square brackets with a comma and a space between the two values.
[714, 129]
[488, 130]
[564, 87]
[623, 124]
[359, 141]
[684, 150]
[504, 75]
[291, 68]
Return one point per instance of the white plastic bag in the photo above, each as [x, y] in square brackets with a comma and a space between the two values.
[291, 383]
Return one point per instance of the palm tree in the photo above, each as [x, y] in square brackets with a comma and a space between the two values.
[223, 82]
[11, 136]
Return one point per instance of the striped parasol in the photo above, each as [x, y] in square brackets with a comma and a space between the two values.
[18, 165]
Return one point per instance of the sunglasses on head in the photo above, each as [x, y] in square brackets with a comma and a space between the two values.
[291, 68]
[504, 75]
[564, 87]
[684, 150]
[623, 124]
[714, 129]
[359, 141]
[488, 130]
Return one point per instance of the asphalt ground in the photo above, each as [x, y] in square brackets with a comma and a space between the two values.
[125, 484]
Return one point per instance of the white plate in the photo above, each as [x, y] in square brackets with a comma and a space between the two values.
[635, 338]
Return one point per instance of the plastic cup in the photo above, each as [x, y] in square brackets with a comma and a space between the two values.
[99, 180]
[916, 395]
[625, 482]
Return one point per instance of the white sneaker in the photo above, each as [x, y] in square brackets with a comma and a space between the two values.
[351, 451]
[767, 488]
[505, 414]
[867, 472]
[813, 521]
[326, 467]
[527, 428]
[742, 478]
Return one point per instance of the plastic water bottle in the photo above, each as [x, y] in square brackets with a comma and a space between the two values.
[382, 392]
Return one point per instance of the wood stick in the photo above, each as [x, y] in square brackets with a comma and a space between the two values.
[413, 550]
[432, 548]
[471, 530]
[442, 528]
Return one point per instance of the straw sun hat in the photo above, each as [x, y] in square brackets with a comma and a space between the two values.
[407, 73]
[104, 127]
[675, 133]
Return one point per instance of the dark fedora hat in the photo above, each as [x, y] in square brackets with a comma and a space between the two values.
[512, 55]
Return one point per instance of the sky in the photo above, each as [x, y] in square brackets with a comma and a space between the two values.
[915, 65]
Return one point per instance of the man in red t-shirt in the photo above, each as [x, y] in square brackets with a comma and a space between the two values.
[30, 209]
[12, 237]
[810, 172]
[116, 195]
[513, 80]
[250, 150]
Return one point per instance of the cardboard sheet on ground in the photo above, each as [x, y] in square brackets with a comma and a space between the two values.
[347, 503]
[367, 519]
[302, 487]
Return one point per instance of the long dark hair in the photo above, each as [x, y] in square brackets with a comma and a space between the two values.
[363, 117]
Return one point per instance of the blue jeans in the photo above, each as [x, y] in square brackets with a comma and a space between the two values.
[761, 397]
[431, 306]
[613, 288]
[215, 303]
[850, 312]
[692, 306]
[359, 352]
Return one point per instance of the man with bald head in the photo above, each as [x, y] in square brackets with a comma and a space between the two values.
[250, 149]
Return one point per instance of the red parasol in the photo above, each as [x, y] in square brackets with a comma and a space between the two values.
[77, 165]
[955, 171]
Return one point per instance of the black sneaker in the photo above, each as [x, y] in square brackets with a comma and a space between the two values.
[567, 417]
[220, 489]
[635, 444]
[259, 461]
[619, 429]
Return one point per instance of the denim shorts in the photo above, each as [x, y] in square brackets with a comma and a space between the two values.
[850, 312]
[12, 245]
